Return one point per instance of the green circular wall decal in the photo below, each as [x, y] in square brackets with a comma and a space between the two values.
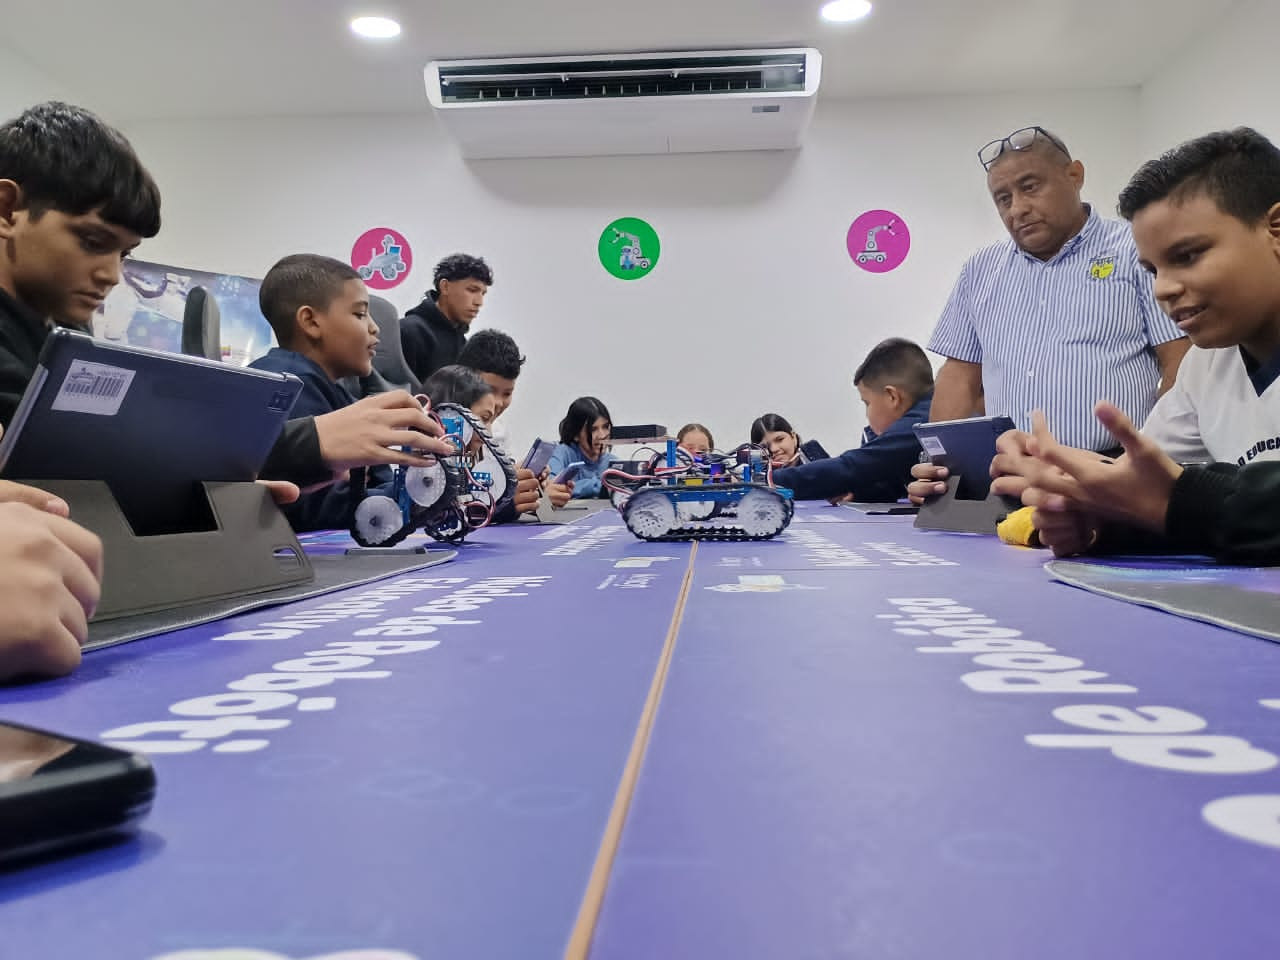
[629, 248]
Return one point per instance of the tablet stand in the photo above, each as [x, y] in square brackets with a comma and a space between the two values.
[251, 549]
[954, 515]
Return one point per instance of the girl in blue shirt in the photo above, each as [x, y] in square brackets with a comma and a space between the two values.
[584, 438]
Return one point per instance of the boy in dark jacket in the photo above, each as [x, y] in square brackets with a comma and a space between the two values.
[895, 382]
[318, 308]
[433, 333]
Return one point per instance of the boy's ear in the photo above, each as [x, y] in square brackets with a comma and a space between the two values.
[896, 396]
[307, 322]
[1273, 222]
[10, 204]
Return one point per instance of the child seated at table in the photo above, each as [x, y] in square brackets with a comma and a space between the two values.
[775, 433]
[895, 383]
[318, 308]
[584, 439]
[463, 387]
[696, 438]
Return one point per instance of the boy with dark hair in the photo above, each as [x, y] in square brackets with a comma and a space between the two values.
[318, 308]
[496, 358]
[74, 201]
[433, 332]
[1206, 220]
[895, 382]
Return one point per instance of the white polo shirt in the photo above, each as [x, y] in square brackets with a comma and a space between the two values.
[1218, 411]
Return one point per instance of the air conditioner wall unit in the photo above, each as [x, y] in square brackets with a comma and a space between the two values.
[635, 103]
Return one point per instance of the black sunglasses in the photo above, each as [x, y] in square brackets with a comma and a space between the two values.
[1018, 140]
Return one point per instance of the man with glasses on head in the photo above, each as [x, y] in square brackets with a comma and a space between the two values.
[1054, 318]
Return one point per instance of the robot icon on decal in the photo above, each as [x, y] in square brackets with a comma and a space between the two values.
[389, 263]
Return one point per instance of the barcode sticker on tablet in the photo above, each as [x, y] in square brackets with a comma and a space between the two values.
[93, 388]
[933, 446]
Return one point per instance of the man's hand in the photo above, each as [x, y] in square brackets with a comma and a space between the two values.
[50, 584]
[929, 482]
[1134, 489]
[372, 431]
[528, 491]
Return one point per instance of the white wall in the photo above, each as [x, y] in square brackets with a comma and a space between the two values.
[754, 306]
[22, 84]
[1224, 79]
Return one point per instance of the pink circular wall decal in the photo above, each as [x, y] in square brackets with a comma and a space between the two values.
[382, 258]
[878, 241]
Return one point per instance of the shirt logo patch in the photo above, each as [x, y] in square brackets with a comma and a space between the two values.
[1102, 267]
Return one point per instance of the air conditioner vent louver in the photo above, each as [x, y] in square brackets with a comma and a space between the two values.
[620, 104]
[657, 77]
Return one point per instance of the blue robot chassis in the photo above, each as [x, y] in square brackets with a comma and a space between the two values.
[693, 500]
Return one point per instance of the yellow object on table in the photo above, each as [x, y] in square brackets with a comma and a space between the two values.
[1017, 528]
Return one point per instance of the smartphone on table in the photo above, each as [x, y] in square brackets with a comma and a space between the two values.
[58, 792]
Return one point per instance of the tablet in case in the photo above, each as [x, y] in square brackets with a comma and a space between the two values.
[157, 453]
[966, 448]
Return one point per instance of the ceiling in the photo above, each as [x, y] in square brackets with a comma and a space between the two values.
[144, 59]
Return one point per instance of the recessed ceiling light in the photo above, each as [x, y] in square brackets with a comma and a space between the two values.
[845, 11]
[375, 28]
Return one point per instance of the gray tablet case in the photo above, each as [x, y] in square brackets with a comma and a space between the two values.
[156, 453]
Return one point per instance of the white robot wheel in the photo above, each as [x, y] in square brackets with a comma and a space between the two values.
[649, 514]
[378, 519]
[425, 485]
[761, 514]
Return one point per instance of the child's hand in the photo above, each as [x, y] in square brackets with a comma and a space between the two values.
[11, 492]
[1134, 489]
[1011, 462]
[1066, 533]
[560, 493]
[528, 491]
[50, 583]
[373, 431]
[282, 491]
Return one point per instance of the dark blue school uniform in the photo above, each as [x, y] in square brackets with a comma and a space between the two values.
[329, 508]
[876, 472]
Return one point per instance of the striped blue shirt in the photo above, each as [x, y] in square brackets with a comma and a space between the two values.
[1059, 335]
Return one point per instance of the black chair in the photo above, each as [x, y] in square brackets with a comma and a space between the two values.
[389, 361]
[390, 371]
[201, 326]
